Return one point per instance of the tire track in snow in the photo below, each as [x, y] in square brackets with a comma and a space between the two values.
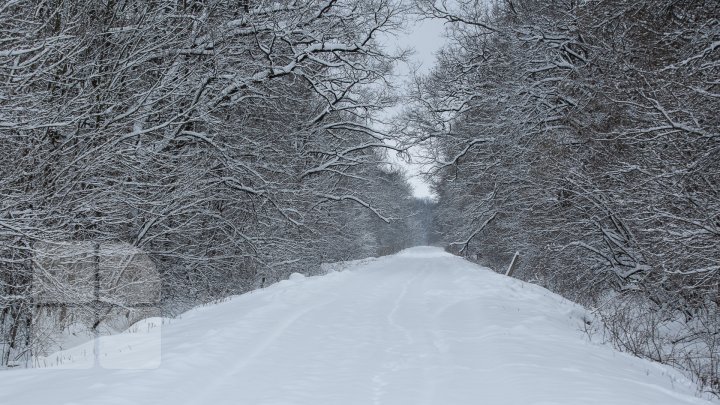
[275, 333]
[380, 379]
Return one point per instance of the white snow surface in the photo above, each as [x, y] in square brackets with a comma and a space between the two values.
[419, 327]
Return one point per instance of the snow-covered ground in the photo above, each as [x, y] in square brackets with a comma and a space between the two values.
[419, 327]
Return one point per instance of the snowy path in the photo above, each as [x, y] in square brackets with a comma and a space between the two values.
[420, 327]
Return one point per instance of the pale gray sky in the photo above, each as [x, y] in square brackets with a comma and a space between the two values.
[425, 37]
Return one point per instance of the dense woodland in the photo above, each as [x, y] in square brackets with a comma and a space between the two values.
[584, 134]
[232, 142]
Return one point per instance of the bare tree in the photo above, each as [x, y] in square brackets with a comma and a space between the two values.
[581, 134]
[212, 135]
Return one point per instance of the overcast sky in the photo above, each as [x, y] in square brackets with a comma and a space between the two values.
[425, 37]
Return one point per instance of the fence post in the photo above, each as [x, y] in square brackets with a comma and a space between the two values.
[96, 306]
[513, 264]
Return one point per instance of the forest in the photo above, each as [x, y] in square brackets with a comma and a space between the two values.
[228, 144]
[585, 135]
[231, 145]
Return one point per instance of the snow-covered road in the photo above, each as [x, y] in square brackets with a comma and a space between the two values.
[420, 327]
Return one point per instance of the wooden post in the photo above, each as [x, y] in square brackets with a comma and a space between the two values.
[513, 264]
[96, 307]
